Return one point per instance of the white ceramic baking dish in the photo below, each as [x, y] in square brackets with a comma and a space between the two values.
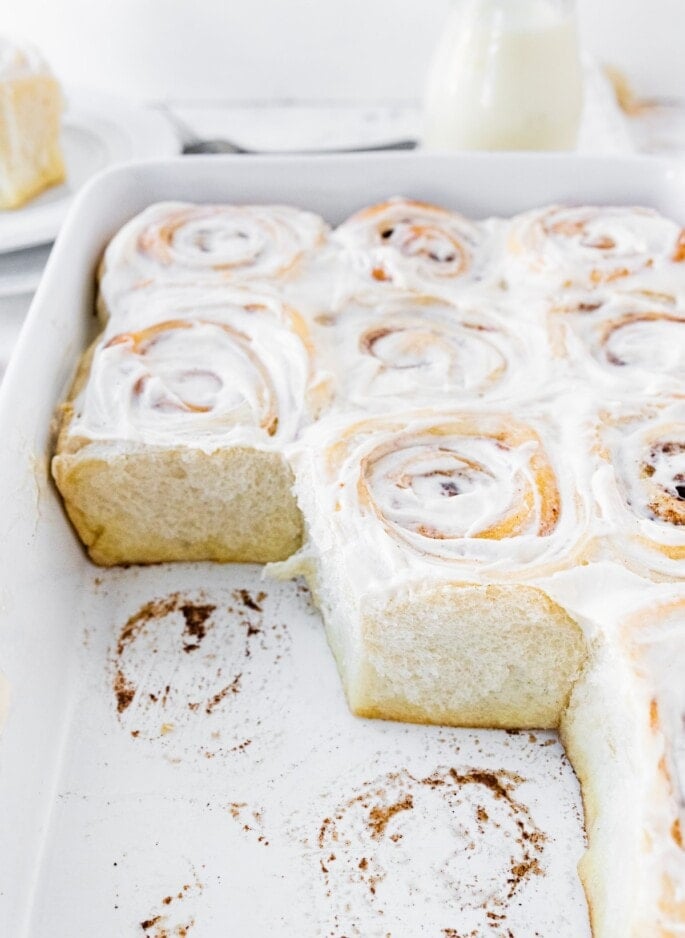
[163, 778]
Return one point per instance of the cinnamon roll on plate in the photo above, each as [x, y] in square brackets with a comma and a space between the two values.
[170, 446]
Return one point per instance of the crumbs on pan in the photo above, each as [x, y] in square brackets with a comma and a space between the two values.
[173, 920]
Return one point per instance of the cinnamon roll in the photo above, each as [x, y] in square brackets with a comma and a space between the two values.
[626, 344]
[185, 244]
[422, 392]
[407, 245]
[421, 350]
[625, 733]
[640, 486]
[587, 246]
[170, 447]
[425, 532]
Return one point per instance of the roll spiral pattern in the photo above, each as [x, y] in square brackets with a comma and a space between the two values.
[591, 247]
[182, 243]
[641, 486]
[418, 350]
[410, 245]
[215, 370]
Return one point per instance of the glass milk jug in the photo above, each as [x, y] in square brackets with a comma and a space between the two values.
[506, 76]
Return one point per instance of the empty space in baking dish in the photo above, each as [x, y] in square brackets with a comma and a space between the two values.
[177, 756]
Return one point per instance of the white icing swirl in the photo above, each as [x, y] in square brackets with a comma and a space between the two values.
[407, 245]
[417, 350]
[590, 246]
[640, 486]
[472, 494]
[627, 344]
[180, 243]
[208, 371]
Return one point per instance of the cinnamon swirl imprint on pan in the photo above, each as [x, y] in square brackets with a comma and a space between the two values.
[590, 246]
[640, 486]
[209, 369]
[423, 350]
[408, 245]
[182, 243]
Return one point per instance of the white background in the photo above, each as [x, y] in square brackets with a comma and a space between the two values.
[304, 50]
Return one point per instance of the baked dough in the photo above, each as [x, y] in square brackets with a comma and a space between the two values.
[480, 429]
[30, 122]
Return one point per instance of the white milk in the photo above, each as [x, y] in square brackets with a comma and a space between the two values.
[506, 76]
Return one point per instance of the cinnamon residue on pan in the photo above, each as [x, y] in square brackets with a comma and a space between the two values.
[124, 691]
[379, 817]
[245, 597]
[232, 688]
[196, 617]
[355, 841]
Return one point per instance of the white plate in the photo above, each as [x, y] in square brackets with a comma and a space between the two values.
[98, 131]
[233, 794]
[20, 271]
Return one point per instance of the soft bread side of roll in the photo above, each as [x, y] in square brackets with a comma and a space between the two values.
[450, 653]
[131, 503]
[148, 506]
[600, 730]
[30, 152]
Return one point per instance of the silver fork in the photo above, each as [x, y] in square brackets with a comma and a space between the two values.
[191, 143]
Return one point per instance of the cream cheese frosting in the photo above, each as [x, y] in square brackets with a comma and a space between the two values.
[639, 485]
[187, 244]
[473, 495]
[589, 246]
[420, 349]
[404, 245]
[204, 369]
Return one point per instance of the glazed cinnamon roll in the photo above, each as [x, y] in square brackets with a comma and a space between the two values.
[588, 246]
[408, 245]
[418, 527]
[625, 733]
[185, 244]
[209, 369]
[640, 486]
[626, 344]
[422, 350]
[182, 420]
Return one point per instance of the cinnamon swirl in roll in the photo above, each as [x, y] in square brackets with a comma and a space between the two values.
[561, 247]
[418, 350]
[640, 486]
[170, 447]
[406, 245]
[427, 534]
[179, 243]
[625, 343]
